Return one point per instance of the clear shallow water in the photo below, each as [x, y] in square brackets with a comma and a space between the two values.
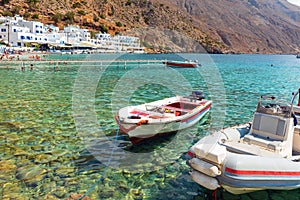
[49, 150]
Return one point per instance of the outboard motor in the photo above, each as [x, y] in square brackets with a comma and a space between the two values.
[199, 95]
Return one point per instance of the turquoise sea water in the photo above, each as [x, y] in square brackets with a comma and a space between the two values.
[58, 132]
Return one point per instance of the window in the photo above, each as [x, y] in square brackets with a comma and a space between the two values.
[3, 29]
[37, 31]
[36, 26]
[28, 37]
[35, 38]
[15, 30]
[22, 37]
[0, 36]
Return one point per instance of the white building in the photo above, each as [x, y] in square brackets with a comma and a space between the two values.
[18, 32]
[75, 35]
[126, 43]
[4, 32]
[35, 27]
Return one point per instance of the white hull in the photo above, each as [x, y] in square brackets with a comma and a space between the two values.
[163, 116]
[150, 130]
[264, 154]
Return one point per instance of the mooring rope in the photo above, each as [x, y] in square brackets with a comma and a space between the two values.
[104, 172]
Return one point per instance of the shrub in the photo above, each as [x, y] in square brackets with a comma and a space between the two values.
[128, 3]
[69, 16]
[57, 17]
[5, 1]
[102, 16]
[7, 13]
[103, 28]
[81, 12]
[95, 18]
[76, 5]
[35, 16]
[119, 24]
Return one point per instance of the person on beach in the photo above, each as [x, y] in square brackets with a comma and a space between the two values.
[31, 67]
[37, 57]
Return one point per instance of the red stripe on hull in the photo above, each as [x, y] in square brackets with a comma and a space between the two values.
[262, 173]
[192, 117]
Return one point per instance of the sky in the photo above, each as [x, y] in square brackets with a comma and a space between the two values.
[296, 2]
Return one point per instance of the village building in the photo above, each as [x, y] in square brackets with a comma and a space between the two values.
[18, 32]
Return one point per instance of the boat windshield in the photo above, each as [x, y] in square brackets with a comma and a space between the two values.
[268, 105]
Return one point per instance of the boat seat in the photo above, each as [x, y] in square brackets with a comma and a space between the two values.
[269, 132]
[273, 145]
[243, 148]
[176, 109]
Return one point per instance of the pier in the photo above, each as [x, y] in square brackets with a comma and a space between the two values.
[13, 64]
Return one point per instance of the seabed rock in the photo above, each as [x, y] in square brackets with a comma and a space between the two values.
[31, 175]
[77, 196]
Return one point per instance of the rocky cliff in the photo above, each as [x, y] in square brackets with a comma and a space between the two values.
[216, 26]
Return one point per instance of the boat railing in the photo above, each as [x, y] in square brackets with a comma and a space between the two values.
[278, 108]
[274, 109]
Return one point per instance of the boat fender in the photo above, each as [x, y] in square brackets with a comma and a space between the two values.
[209, 149]
[204, 180]
[142, 122]
[204, 167]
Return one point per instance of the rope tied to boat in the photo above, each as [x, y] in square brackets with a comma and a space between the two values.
[101, 179]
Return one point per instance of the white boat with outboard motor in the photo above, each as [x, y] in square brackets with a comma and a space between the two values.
[262, 154]
[162, 116]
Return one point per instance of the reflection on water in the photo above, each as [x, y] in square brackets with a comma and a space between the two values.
[44, 157]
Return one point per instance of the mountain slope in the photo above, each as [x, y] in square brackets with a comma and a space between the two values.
[239, 26]
[248, 25]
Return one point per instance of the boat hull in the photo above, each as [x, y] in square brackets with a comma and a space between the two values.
[180, 64]
[139, 132]
[243, 172]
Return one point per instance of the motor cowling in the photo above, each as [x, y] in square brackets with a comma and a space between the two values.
[197, 94]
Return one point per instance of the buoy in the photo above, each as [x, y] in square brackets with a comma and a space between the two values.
[204, 167]
[204, 180]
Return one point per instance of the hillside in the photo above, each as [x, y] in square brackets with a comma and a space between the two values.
[254, 26]
[220, 26]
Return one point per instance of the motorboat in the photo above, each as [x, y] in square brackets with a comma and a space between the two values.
[163, 116]
[262, 154]
[182, 64]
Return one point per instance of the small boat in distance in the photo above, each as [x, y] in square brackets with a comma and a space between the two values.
[183, 64]
[162, 116]
[264, 154]
[298, 56]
